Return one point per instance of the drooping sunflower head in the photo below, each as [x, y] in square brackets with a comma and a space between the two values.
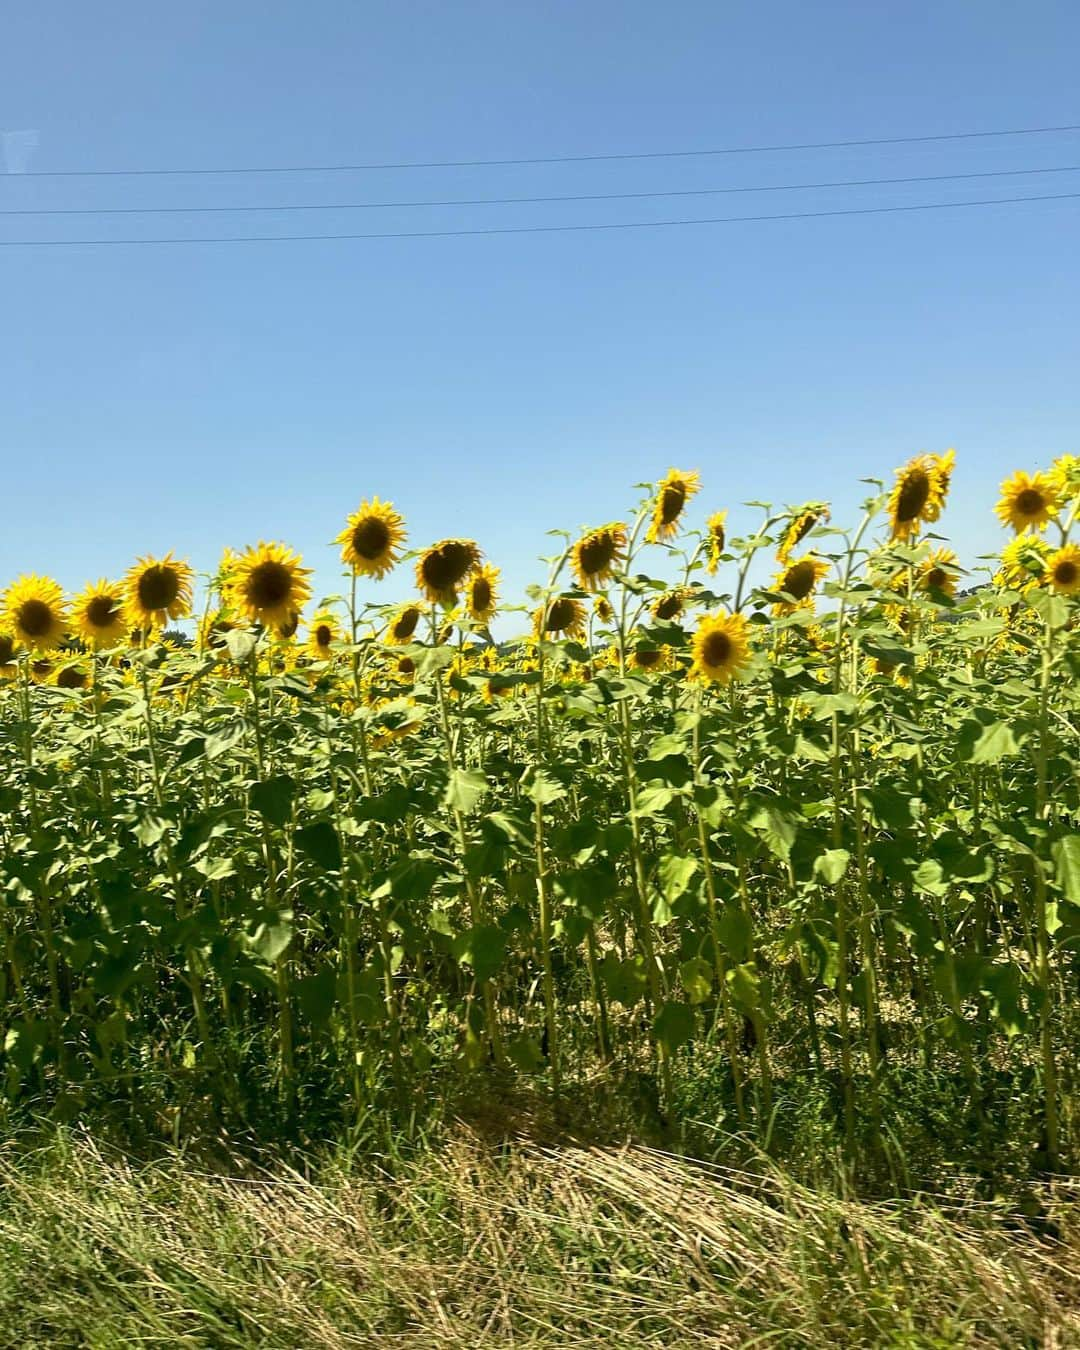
[916, 495]
[482, 593]
[9, 666]
[157, 589]
[403, 624]
[268, 584]
[602, 609]
[563, 617]
[672, 493]
[1063, 570]
[97, 614]
[649, 658]
[323, 635]
[720, 648]
[943, 466]
[799, 526]
[670, 604]
[716, 533]
[34, 613]
[938, 574]
[213, 628]
[1028, 501]
[286, 629]
[441, 569]
[42, 669]
[799, 580]
[1023, 562]
[71, 675]
[372, 538]
[597, 554]
[1065, 471]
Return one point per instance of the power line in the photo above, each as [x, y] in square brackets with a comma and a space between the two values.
[511, 201]
[551, 159]
[536, 229]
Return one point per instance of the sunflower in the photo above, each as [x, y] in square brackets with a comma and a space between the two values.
[371, 538]
[482, 593]
[72, 675]
[1063, 570]
[268, 584]
[1065, 471]
[800, 525]
[938, 573]
[649, 659]
[34, 612]
[597, 554]
[403, 624]
[442, 568]
[97, 614]
[672, 494]
[720, 648]
[42, 669]
[799, 579]
[564, 618]
[9, 666]
[1028, 501]
[286, 629]
[1023, 562]
[213, 629]
[156, 589]
[917, 494]
[943, 468]
[323, 635]
[717, 538]
[602, 609]
[670, 604]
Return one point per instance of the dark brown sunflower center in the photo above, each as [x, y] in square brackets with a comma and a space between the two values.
[7, 649]
[40, 669]
[914, 494]
[1066, 573]
[158, 588]
[444, 568]
[371, 538]
[35, 618]
[269, 584]
[405, 624]
[406, 666]
[937, 578]
[560, 615]
[1030, 502]
[323, 635]
[716, 649]
[672, 501]
[803, 526]
[668, 606]
[648, 658]
[884, 667]
[799, 580]
[597, 552]
[71, 678]
[289, 627]
[481, 594]
[101, 611]
[717, 538]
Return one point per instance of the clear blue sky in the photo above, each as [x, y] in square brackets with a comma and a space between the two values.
[190, 397]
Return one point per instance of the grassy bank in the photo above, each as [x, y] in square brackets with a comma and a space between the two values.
[483, 1243]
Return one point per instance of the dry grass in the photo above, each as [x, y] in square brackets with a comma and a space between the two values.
[474, 1246]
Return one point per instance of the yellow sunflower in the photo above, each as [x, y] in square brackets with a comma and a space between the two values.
[441, 569]
[1023, 562]
[1065, 471]
[917, 495]
[403, 624]
[602, 609]
[565, 617]
[800, 525]
[42, 669]
[799, 579]
[649, 659]
[323, 635]
[286, 629]
[34, 612]
[213, 629]
[672, 494]
[1063, 570]
[71, 675]
[597, 554]
[670, 604]
[939, 573]
[9, 666]
[720, 648]
[156, 589]
[1028, 501]
[97, 614]
[943, 468]
[269, 584]
[372, 538]
[717, 538]
[482, 593]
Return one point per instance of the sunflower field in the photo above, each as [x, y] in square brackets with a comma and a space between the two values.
[805, 807]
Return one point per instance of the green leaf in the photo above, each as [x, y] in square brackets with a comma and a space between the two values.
[272, 798]
[673, 1025]
[271, 938]
[696, 975]
[317, 995]
[481, 947]
[1066, 853]
[240, 644]
[525, 1054]
[653, 801]
[831, 865]
[676, 873]
[993, 744]
[320, 843]
[464, 790]
[542, 787]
